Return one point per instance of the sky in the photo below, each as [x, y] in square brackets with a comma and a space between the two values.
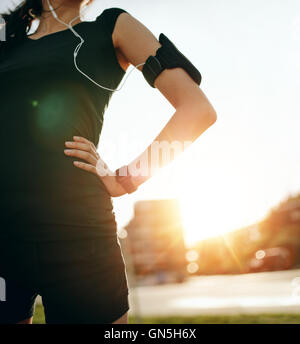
[248, 53]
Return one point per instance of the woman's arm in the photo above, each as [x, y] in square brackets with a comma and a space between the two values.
[194, 113]
[135, 43]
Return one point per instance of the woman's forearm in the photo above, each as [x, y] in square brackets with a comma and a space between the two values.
[184, 127]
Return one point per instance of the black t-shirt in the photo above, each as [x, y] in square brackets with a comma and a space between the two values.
[45, 101]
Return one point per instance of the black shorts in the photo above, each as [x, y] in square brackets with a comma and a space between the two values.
[80, 281]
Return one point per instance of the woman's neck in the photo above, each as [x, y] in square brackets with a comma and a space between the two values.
[65, 10]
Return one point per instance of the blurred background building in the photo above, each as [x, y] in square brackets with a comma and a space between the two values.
[154, 246]
[153, 241]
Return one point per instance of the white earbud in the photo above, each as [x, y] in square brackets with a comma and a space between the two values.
[76, 51]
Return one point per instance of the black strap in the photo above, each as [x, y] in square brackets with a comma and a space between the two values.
[168, 57]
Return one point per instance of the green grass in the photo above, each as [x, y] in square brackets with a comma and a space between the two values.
[228, 319]
[39, 317]
[203, 319]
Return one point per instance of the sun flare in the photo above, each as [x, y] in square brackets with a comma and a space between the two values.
[213, 204]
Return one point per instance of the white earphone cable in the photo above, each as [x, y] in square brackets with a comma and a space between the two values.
[76, 51]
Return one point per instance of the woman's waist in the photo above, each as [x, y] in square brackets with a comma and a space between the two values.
[55, 192]
[61, 208]
[37, 172]
[74, 193]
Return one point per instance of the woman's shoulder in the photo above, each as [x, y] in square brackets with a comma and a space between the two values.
[109, 17]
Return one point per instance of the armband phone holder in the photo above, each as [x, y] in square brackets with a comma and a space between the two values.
[168, 57]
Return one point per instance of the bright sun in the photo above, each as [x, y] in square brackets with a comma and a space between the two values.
[215, 196]
[215, 203]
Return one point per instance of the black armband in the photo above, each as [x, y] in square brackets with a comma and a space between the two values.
[168, 57]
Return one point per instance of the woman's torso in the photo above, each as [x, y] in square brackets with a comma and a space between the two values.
[45, 101]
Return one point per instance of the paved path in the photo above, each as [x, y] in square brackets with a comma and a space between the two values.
[234, 294]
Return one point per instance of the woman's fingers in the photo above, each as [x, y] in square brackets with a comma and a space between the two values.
[84, 140]
[82, 146]
[82, 155]
[77, 145]
[84, 149]
[86, 167]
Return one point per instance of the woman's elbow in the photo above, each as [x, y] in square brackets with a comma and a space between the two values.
[206, 116]
[211, 115]
[208, 113]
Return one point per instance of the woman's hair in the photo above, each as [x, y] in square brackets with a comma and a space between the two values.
[18, 23]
